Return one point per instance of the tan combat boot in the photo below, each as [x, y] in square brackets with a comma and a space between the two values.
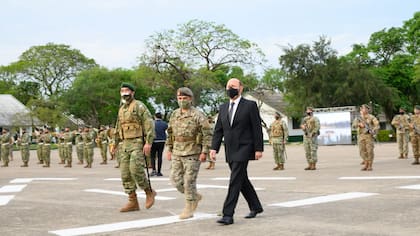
[366, 166]
[150, 197]
[369, 166]
[61, 162]
[313, 166]
[25, 164]
[68, 165]
[281, 166]
[277, 167]
[309, 166]
[213, 164]
[198, 198]
[103, 163]
[6, 164]
[47, 164]
[416, 161]
[401, 156]
[132, 205]
[188, 211]
[209, 166]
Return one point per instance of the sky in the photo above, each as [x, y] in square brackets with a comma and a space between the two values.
[113, 32]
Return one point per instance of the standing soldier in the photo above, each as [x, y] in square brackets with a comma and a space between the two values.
[367, 126]
[135, 130]
[278, 133]
[68, 146]
[212, 163]
[103, 144]
[23, 143]
[5, 146]
[188, 143]
[88, 137]
[310, 127]
[38, 135]
[111, 142]
[415, 134]
[46, 147]
[401, 124]
[79, 146]
[60, 144]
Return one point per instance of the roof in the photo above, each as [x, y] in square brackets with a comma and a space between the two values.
[14, 113]
[271, 98]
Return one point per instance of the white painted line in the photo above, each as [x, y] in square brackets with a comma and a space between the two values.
[28, 180]
[323, 199]
[5, 199]
[379, 177]
[204, 186]
[152, 179]
[12, 188]
[140, 195]
[259, 178]
[129, 225]
[414, 187]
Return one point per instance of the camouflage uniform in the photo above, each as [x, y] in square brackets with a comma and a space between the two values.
[366, 138]
[111, 141]
[278, 133]
[5, 147]
[79, 146]
[39, 147]
[68, 147]
[46, 148]
[103, 144]
[23, 143]
[60, 146]
[88, 137]
[189, 134]
[311, 127]
[400, 122]
[134, 127]
[415, 136]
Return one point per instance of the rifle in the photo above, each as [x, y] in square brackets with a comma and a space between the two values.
[368, 129]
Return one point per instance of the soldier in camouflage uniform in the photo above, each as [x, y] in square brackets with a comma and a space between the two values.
[401, 124]
[79, 146]
[135, 130]
[188, 143]
[24, 142]
[102, 142]
[88, 137]
[310, 127]
[367, 126]
[68, 146]
[60, 146]
[5, 146]
[278, 133]
[111, 142]
[38, 135]
[46, 139]
[415, 134]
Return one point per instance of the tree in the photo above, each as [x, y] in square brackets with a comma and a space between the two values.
[53, 66]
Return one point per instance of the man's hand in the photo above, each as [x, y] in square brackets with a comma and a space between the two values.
[147, 148]
[169, 156]
[213, 155]
[203, 157]
[258, 155]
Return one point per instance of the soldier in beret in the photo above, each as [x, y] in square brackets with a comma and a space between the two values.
[415, 134]
[134, 134]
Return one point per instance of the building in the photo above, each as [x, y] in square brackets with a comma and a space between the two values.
[13, 114]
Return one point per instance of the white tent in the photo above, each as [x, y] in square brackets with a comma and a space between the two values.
[14, 114]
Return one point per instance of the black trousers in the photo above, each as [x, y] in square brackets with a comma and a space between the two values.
[239, 183]
[157, 148]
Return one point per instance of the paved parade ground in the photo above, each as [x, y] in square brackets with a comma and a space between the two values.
[336, 199]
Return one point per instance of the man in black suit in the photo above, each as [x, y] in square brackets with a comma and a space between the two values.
[239, 123]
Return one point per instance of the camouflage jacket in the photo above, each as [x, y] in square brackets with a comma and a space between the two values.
[415, 124]
[25, 139]
[278, 131]
[370, 122]
[401, 123]
[189, 133]
[311, 126]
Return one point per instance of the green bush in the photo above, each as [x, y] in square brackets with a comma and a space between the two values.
[385, 136]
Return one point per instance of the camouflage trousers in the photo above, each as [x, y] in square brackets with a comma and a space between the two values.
[61, 152]
[366, 146]
[24, 150]
[415, 143]
[39, 152]
[88, 152]
[132, 165]
[79, 151]
[184, 171]
[104, 150]
[5, 149]
[68, 152]
[311, 148]
[402, 140]
[46, 153]
[278, 151]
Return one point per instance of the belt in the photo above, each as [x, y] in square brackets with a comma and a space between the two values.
[4, 144]
[24, 144]
[69, 143]
[46, 144]
[184, 139]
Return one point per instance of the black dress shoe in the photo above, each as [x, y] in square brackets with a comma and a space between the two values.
[253, 214]
[226, 220]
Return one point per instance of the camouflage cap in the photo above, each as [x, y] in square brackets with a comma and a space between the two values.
[184, 91]
[365, 106]
[417, 107]
[128, 85]
[310, 108]
[403, 108]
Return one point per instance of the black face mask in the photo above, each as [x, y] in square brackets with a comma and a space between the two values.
[309, 113]
[232, 92]
[402, 113]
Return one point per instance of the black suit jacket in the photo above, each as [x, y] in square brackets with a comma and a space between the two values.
[244, 137]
